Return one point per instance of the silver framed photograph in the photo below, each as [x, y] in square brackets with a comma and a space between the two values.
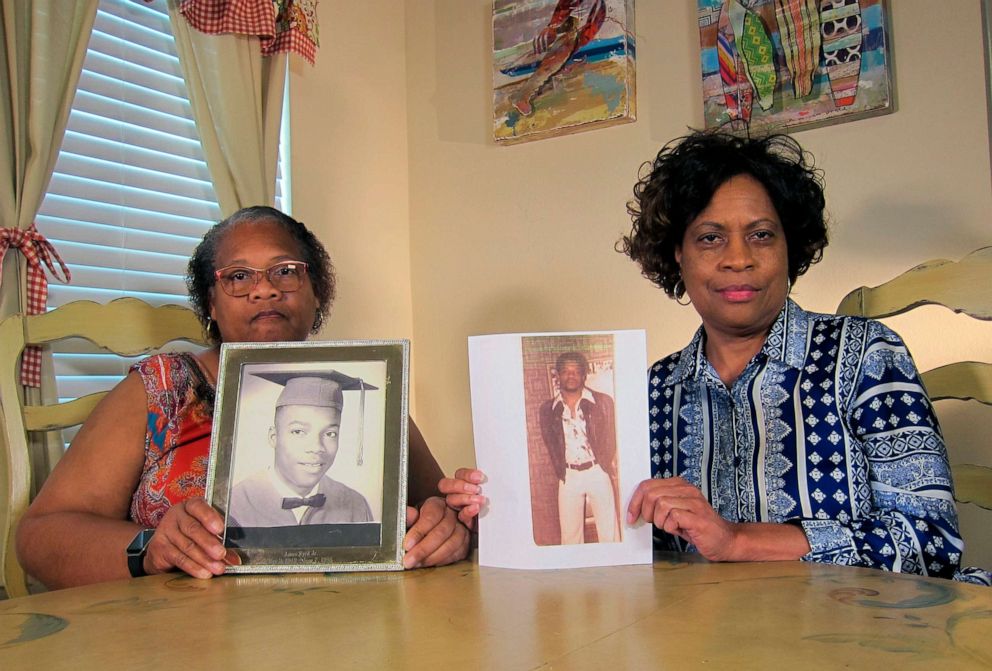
[308, 455]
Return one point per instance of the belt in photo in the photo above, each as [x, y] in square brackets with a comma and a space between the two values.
[582, 467]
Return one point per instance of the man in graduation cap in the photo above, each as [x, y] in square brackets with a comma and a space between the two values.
[304, 436]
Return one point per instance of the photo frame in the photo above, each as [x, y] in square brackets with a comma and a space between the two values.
[774, 65]
[309, 455]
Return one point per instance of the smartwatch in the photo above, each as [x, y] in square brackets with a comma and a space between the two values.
[136, 551]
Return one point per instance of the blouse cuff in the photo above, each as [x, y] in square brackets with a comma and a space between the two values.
[828, 540]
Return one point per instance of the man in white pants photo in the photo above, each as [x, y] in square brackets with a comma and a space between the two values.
[579, 431]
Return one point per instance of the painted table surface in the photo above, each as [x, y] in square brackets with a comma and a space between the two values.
[679, 613]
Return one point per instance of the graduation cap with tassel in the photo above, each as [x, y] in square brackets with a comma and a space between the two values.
[322, 389]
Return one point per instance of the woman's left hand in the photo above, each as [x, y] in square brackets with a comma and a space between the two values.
[677, 507]
[434, 535]
[463, 493]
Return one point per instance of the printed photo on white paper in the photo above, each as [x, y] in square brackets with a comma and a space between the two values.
[560, 426]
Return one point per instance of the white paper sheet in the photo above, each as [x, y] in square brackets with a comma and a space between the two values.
[521, 485]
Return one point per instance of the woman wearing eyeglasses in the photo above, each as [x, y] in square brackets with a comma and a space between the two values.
[127, 497]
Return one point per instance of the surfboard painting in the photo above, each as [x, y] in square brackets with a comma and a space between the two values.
[799, 32]
[756, 50]
[561, 66]
[840, 24]
[808, 62]
[737, 89]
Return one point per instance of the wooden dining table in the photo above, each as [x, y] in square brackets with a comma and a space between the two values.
[678, 613]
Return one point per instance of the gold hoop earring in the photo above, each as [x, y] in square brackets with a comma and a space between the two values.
[676, 292]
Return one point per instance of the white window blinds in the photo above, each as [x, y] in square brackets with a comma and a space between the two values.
[131, 195]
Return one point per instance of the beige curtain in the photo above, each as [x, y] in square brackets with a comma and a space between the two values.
[236, 95]
[42, 47]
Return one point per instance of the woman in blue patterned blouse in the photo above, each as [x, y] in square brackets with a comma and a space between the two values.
[777, 433]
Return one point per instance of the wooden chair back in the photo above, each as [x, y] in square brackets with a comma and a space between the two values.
[126, 327]
[965, 287]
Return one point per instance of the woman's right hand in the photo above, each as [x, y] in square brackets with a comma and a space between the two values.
[679, 508]
[464, 494]
[187, 539]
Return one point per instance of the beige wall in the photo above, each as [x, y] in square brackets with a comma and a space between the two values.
[350, 163]
[442, 234]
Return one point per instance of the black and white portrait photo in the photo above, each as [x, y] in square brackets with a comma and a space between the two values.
[308, 446]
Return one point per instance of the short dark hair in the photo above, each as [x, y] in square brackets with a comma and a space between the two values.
[679, 184]
[572, 357]
[200, 271]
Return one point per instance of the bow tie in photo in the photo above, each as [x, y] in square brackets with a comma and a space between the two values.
[315, 501]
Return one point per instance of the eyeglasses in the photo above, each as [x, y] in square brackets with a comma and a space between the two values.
[238, 281]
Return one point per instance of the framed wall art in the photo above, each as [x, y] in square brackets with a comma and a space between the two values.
[561, 66]
[308, 455]
[783, 64]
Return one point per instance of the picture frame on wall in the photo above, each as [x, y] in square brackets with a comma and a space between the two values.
[308, 455]
[561, 66]
[772, 65]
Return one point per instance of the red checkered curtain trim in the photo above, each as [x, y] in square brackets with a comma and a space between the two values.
[39, 253]
[296, 29]
[282, 25]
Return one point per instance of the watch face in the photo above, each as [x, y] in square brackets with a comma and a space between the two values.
[136, 552]
[140, 541]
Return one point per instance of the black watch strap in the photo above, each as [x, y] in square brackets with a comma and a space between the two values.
[136, 551]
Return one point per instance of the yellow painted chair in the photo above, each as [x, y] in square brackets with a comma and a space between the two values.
[126, 327]
[964, 287]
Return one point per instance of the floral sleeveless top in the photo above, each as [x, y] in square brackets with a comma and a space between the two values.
[177, 437]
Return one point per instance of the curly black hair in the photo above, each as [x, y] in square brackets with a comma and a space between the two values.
[679, 184]
[200, 271]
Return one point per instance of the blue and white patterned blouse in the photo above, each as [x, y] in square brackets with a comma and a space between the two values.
[828, 427]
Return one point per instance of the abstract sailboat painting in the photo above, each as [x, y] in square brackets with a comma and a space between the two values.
[778, 64]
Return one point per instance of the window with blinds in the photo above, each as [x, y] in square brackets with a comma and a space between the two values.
[131, 195]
